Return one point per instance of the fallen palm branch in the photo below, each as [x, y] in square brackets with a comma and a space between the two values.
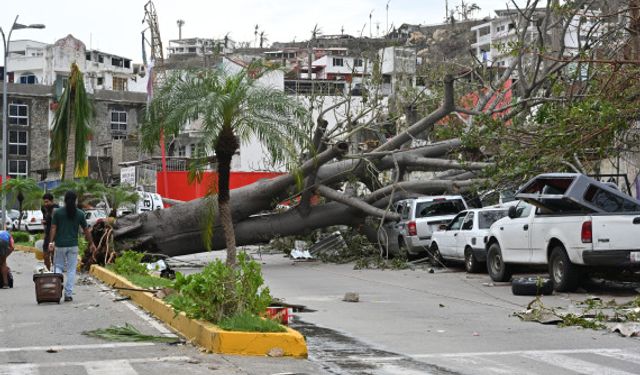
[127, 333]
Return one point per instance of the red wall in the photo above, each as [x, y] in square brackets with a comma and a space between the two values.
[180, 189]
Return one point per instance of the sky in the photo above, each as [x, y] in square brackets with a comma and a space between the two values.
[115, 26]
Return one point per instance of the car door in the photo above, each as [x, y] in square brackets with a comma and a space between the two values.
[515, 234]
[447, 242]
[463, 238]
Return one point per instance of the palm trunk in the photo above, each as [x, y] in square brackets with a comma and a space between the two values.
[226, 146]
[69, 163]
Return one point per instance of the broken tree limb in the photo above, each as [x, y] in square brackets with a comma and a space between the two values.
[356, 203]
[423, 187]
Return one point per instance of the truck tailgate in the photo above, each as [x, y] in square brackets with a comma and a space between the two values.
[616, 232]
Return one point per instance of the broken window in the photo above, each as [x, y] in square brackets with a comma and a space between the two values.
[468, 222]
[486, 218]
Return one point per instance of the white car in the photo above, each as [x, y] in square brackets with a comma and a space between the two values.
[464, 238]
[419, 219]
[31, 221]
[10, 217]
[93, 216]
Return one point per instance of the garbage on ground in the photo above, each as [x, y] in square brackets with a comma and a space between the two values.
[328, 245]
[297, 254]
[158, 266]
[283, 315]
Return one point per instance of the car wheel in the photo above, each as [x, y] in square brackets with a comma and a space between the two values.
[532, 286]
[471, 264]
[434, 252]
[497, 268]
[402, 246]
[564, 274]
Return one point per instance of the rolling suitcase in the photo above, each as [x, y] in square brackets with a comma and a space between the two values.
[48, 287]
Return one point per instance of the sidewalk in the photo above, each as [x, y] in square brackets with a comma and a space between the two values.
[47, 338]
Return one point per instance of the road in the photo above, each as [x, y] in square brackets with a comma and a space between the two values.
[47, 338]
[447, 322]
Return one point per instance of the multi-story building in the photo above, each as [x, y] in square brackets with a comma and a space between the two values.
[37, 72]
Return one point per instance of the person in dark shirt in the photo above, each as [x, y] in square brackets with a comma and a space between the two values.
[48, 206]
[6, 247]
[65, 224]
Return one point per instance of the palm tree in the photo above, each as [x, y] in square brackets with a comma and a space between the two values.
[25, 191]
[71, 125]
[232, 108]
[89, 191]
[119, 196]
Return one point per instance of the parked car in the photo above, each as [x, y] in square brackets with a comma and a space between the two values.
[11, 215]
[31, 221]
[569, 222]
[420, 218]
[464, 238]
[94, 215]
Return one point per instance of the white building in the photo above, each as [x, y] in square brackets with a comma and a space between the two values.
[32, 62]
[200, 46]
[398, 67]
[493, 38]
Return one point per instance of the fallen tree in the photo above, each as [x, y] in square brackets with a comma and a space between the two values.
[358, 184]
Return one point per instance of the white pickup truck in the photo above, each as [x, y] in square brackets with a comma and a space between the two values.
[570, 222]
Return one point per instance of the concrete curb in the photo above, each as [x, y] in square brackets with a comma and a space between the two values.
[27, 249]
[205, 334]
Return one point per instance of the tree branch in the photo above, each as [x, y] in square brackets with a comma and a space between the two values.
[356, 203]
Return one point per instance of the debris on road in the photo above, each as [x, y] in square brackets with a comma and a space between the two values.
[351, 297]
[127, 333]
[592, 313]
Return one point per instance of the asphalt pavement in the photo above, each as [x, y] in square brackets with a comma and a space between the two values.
[445, 322]
[48, 339]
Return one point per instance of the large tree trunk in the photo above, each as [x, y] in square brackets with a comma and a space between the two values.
[70, 160]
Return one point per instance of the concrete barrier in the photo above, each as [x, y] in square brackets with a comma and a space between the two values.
[207, 335]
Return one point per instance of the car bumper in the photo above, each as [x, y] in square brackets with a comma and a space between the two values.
[416, 244]
[480, 254]
[609, 258]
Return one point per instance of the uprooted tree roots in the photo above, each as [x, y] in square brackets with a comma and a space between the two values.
[105, 252]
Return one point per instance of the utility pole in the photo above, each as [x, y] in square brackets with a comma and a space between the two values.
[387, 25]
[370, 16]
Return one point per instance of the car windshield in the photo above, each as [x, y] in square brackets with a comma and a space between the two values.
[439, 208]
[486, 218]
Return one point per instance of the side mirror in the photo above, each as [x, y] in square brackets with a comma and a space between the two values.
[513, 212]
[442, 227]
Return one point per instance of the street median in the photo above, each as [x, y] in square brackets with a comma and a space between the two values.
[207, 335]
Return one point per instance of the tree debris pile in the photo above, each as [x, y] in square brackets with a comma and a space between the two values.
[341, 245]
[592, 313]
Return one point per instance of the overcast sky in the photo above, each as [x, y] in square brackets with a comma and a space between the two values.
[114, 26]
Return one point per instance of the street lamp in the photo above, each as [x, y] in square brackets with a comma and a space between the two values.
[3, 168]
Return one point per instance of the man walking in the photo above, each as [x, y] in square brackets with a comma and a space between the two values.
[48, 206]
[64, 233]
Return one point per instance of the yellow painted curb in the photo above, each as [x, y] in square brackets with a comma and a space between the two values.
[28, 249]
[208, 335]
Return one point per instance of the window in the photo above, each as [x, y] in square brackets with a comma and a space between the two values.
[101, 58]
[88, 56]
[439, 207]
[17, 168]
[28, 79]
[609, 202]
[18, 142]
[522, 210]
[182, 151]
[118, 122]
[119, 84]
[118, 136]
[100, 81]
[192, 49]
[486, 218]
[18, 114]
[338, 61]
[468, 222]
[357, 63]
[456, 223]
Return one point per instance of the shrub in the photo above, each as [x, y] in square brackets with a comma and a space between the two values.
[128, 263]
[250, 323]
[20, 236]
[219, 292]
